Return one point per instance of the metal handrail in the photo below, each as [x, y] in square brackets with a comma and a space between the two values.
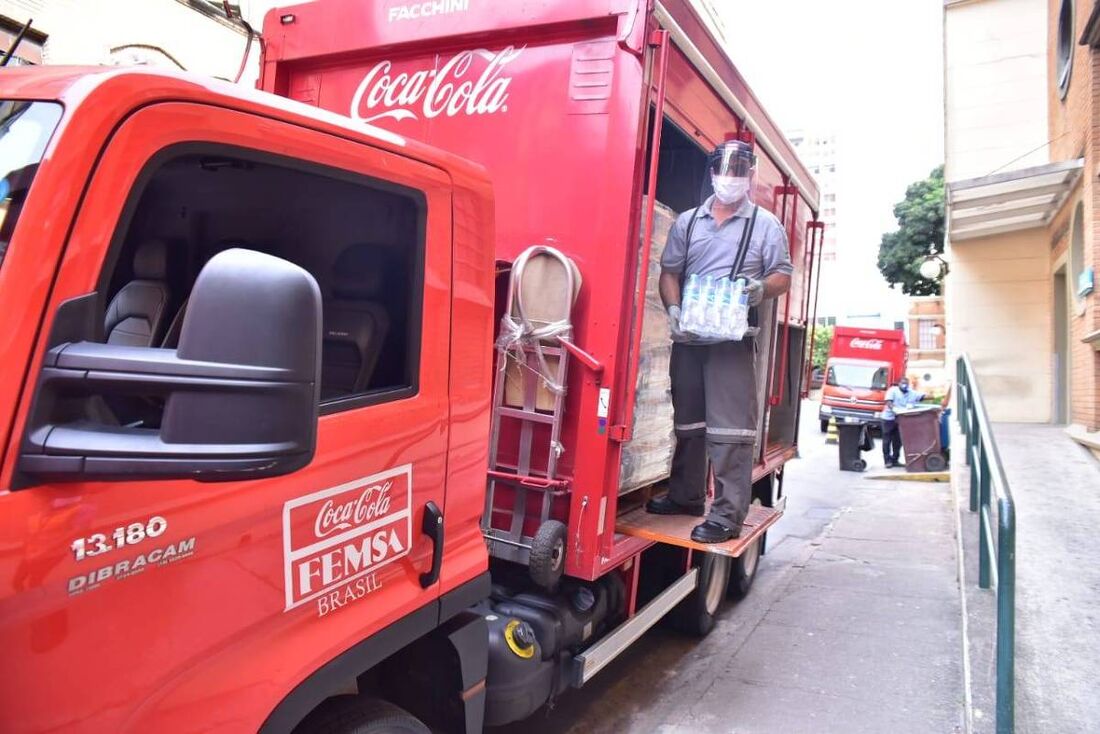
[996, 565]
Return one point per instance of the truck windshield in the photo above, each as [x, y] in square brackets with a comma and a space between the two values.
[25, 129]
[868, 377]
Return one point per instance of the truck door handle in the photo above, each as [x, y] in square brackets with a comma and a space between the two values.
[433, 528]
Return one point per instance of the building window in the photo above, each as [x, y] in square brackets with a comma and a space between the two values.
[830, 198]
[1077, 247]
[1063, 63]
[926, 334]
[830, 212]
[29, 50]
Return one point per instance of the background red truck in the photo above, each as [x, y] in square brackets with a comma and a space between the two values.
[247, 398]
[862, 365]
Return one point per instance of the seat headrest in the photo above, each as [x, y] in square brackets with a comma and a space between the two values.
[151, 260]
[360, 272]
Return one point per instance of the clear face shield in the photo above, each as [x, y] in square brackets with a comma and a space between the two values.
[729, 172]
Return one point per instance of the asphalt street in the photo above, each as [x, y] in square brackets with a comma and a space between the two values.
[853, 625]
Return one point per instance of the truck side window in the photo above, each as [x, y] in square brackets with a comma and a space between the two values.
[361, 238]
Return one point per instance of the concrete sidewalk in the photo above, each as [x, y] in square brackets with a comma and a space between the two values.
[1056, 485]
[853, 625]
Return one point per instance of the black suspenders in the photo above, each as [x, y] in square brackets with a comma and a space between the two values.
[742, 248]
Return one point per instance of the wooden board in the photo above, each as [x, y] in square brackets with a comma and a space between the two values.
[676, 529]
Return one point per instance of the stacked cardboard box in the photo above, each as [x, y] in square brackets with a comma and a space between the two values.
[647, 458]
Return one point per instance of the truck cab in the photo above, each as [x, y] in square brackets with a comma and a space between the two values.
[862, 365]
[238, 468]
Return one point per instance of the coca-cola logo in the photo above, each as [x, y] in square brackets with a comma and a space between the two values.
[875, 344]
[335, 537]
[332, 517]
[449, 90]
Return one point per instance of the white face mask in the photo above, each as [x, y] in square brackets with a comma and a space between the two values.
[730, 189]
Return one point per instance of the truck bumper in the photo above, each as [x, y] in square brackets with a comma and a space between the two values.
[849, 415]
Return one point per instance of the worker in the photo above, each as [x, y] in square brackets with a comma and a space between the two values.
[714, 389]
[898, 398]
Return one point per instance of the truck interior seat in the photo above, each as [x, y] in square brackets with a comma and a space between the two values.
[356, 321]
[136, 315]
[172, 334]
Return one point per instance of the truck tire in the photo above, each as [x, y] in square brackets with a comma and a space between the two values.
[743, 571]
[358, 715]
[696, 613]
[547, 560]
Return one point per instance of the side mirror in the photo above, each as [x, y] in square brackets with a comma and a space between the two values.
[239, 395]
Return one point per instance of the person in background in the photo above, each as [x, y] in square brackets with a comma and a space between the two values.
[898, 398]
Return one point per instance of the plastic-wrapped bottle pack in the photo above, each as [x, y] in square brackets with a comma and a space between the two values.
[715, 309]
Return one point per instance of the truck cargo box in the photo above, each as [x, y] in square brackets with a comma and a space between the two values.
[571, 106]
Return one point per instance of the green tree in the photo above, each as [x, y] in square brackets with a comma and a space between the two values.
[919, 234]
[823, 341]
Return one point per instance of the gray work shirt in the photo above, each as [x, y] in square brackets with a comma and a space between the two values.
[713, 247]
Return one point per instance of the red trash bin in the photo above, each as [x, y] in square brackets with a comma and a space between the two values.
[920, 437]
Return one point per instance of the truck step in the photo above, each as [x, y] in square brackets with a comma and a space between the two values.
[676, 529]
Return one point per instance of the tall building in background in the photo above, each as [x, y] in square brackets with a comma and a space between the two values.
[818, 152]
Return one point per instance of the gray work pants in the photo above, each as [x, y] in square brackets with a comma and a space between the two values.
[714, 411]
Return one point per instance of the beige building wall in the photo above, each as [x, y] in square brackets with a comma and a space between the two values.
[995, 82]
[999, 306]
[998, 300]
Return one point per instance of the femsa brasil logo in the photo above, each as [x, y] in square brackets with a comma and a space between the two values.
[455, 88]
[875, 344]
[338, 535]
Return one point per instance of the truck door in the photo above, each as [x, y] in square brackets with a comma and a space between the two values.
[172, 592]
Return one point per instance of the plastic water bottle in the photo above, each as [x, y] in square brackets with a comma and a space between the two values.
[720, 322]
[696, 316]
[708, 301]
[689, 303]
[741, 309]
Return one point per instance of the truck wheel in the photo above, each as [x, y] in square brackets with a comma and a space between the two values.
[359, 715]
[695, 614]
[824, 425]
[743, 569]
[547, 559]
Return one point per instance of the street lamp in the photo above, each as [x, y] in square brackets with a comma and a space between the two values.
[934, 267]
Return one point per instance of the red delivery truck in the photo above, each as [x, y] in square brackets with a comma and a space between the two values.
[862, 365]
[303, 428]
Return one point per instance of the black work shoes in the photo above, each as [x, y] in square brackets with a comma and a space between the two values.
[665, 506]
[713, 532]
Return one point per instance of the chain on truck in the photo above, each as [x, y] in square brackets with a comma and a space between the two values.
[307, 424]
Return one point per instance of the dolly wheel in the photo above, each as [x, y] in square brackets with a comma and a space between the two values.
[359, 715]
[548, 554]
[935, 462]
